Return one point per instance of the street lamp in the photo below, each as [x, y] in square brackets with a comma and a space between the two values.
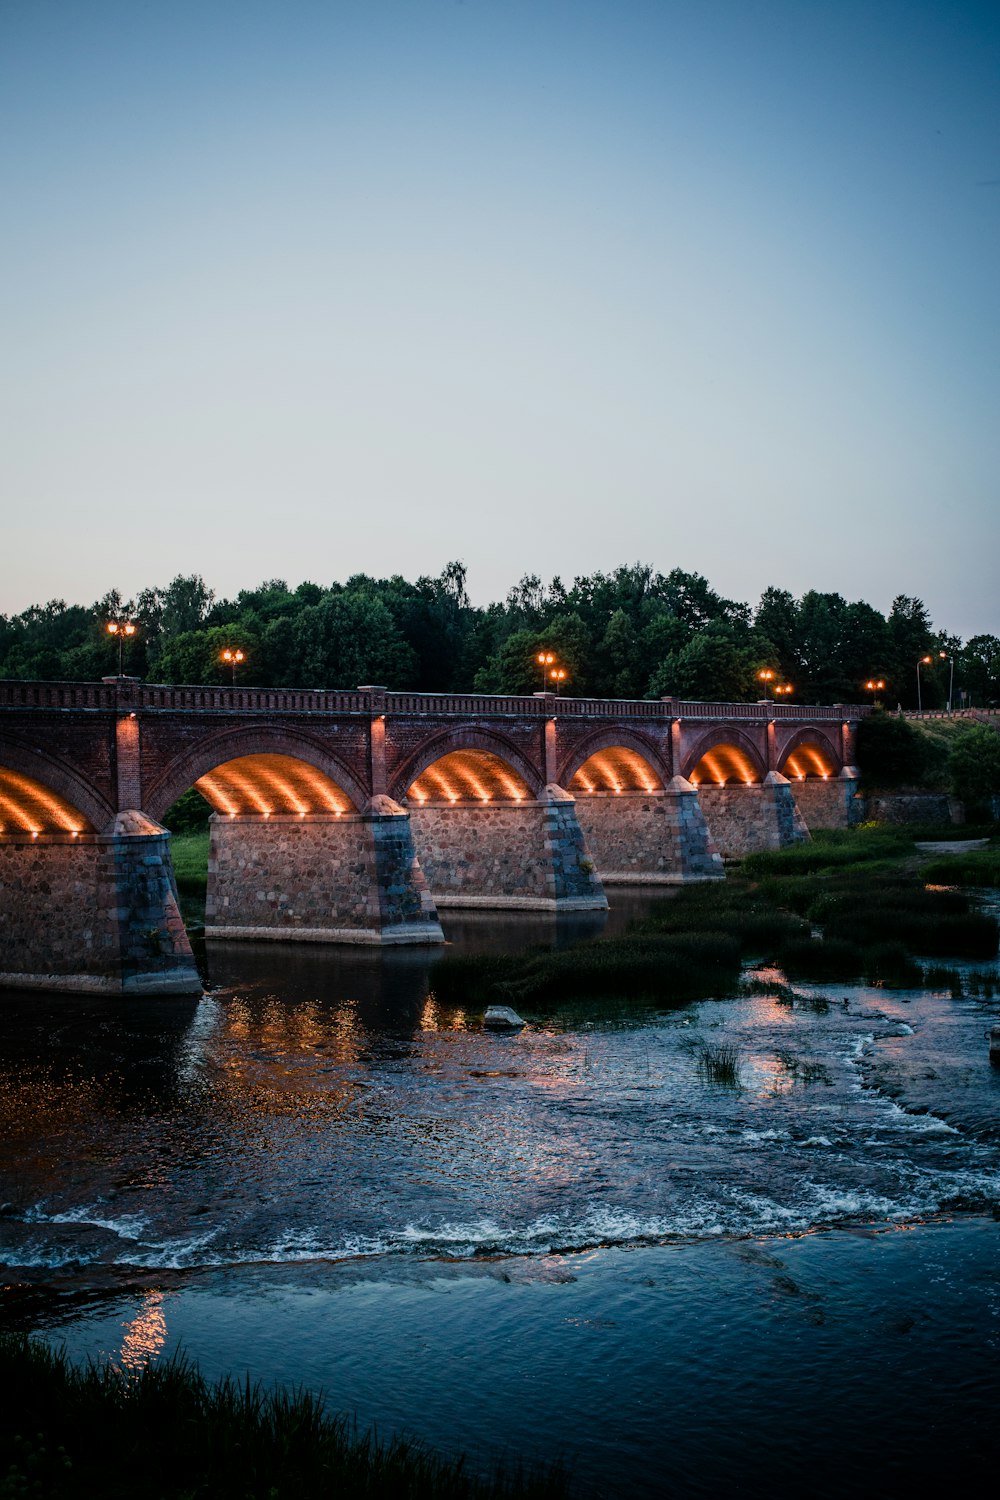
[558, 675]
[874, 686]
[783, 690]
[544, 660]
[232, 658]
[944, 656]
[122, 630]
[922, 661]
[766, 676]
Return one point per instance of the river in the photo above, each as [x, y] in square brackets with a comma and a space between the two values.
[570, 1241]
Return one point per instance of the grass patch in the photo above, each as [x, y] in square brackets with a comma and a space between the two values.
[719, 1063]
[165, 1433]
[189, 852]
[978, 867]
[825, 960]
[664, 970]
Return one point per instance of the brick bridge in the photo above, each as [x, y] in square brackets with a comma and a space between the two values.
[355, 816]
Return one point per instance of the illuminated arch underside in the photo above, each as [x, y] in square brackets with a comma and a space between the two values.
[615, 770]
[28, 807]
[469, 776]
[722, 764]
[809, 760]
[272, 785]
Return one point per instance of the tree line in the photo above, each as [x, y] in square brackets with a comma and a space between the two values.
[632, 632]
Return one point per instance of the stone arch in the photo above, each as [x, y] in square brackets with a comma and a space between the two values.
[725, 739]
[449, 740]
[233, 744]
[811, 739]
[611, 739]
[55, 776]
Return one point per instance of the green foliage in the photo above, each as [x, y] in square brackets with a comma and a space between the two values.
[189, 814]
[978, 867]
[164, 1433]
[189, 852]
[974, 766]
[715, 664]
[890, 751]
[631, 632]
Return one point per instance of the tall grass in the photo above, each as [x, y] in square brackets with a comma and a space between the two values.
[189, 852]
[978, 867]
[167, 1434]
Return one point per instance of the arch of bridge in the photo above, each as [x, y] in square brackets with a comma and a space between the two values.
[492, 742]
[735, 739]
[54, 775]
[610, 738]
[233, 744]
[814, 737]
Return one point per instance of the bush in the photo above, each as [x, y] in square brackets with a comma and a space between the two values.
[825, 960]
[890, 752]
[889, 964]
[978, 867]
[974, 767]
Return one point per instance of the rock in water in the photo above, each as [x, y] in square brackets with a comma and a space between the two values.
[502, 1018]
[994, 1045]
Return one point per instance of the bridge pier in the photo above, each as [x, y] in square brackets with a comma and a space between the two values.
[830, 802]
[745, 818]
[649, 838]
[324, 878]
[93, 913]
[527, 855]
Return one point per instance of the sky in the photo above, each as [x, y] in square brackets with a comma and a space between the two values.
[304, 289]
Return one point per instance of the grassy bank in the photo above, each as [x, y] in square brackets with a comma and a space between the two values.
[167, 1434]
[851, 905]
[190, 856]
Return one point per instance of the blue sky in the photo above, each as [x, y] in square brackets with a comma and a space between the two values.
[305, 289]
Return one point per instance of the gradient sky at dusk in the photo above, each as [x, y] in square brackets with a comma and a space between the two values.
[305, 289]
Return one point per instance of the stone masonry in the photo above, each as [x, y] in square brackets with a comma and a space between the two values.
[505, 854]
[350, 879]
[743, 819]
[97, 913]
[649, 838]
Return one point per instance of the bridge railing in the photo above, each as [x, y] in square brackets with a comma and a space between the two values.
[128, 693]
[57, 695]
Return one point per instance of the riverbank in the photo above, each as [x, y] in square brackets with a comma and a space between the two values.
[858, 1360]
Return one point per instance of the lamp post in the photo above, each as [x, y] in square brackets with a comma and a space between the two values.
[950, 658]
[232, 658]
[874, 686]
[544, 660]
[558, 675]
[922, 661]
[121, 630]
[783, 689]
[766, 676]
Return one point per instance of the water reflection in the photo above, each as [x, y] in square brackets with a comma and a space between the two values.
[145, 1335]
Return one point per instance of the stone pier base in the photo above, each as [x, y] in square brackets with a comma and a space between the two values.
[829, 803]
[525, 855]
[93, 914]
[319, 879]
[649, 838]
[745, 819]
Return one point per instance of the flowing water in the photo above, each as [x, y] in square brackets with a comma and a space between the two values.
[580, 1238]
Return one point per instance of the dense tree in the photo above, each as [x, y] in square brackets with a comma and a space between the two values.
[629, 632]
[974, 768]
